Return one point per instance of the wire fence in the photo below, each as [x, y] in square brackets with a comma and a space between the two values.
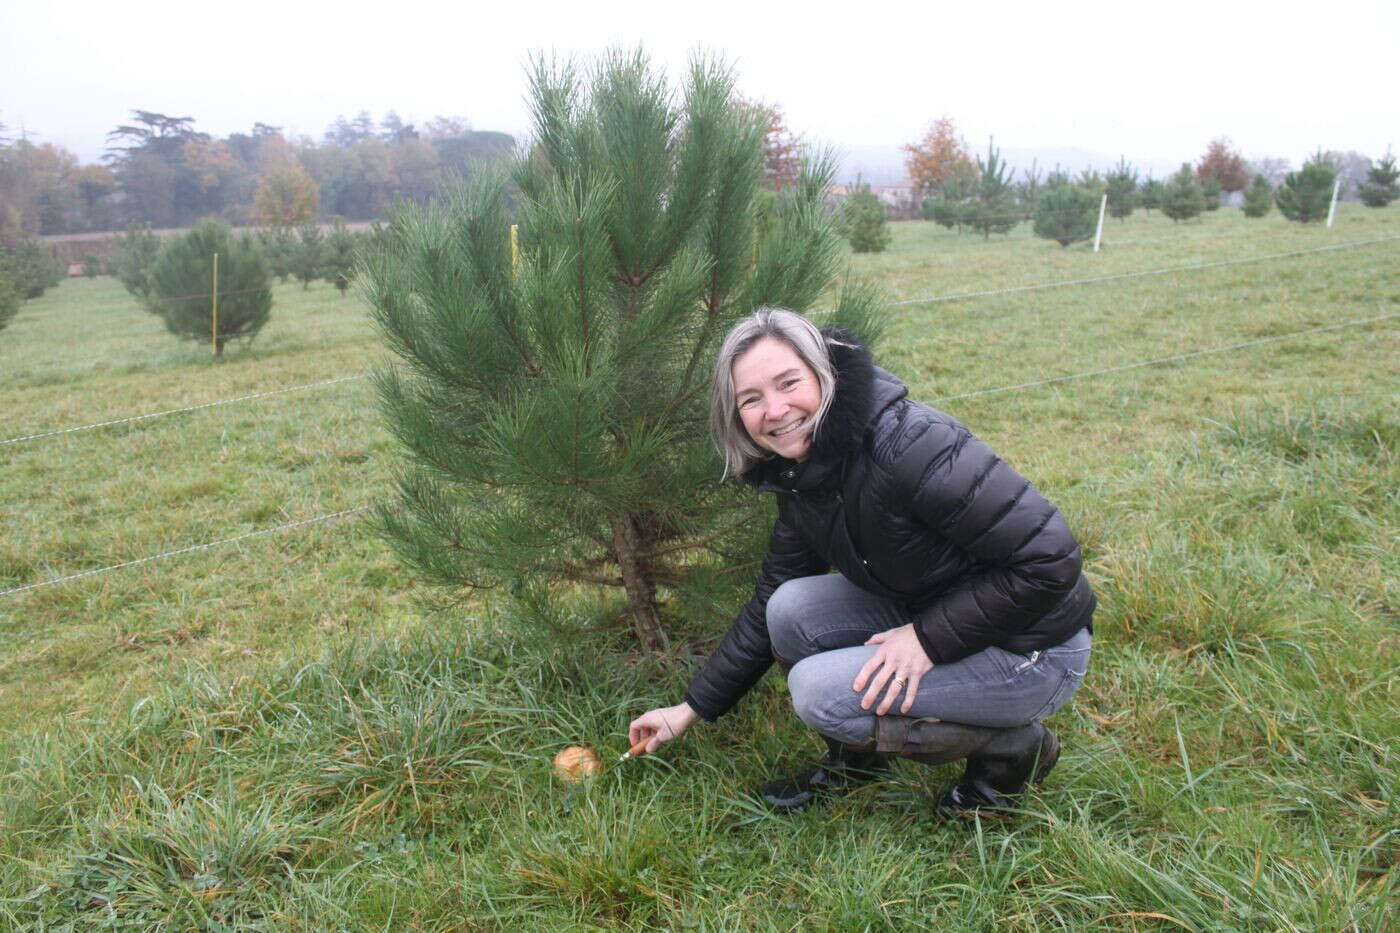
[1070, 377]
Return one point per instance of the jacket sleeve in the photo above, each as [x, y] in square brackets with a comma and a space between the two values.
[1025, 557]
[745, 654]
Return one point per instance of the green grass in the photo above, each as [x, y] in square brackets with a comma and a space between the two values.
[283, 733]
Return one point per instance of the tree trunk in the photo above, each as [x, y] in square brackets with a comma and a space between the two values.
[641, 595]
[218, 347]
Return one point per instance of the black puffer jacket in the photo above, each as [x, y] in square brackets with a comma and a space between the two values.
[906, 503]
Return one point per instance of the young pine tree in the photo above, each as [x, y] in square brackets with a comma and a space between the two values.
[1306, 194]
[30, 268]
[864, 219]
[278, 245]
[1066, 214]
[1152, 194]
[1028, 189]
[1182, 198]
[1382, 184]
[339, 259]
[1258, 198]
[133, 254]
[554, 411]
[9, 301]
[1122, 189]
[994, 200]
[955, 204]
[1210, 191]
[181, 285]
[308, 256]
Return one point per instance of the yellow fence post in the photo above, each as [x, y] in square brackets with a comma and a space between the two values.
[514, 247]
[214, 309]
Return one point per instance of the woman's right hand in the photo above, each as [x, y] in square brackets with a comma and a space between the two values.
[661, 725]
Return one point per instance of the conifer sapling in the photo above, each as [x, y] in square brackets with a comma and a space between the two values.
[554, 411]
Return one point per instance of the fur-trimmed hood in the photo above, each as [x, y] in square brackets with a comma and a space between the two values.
[863, 390]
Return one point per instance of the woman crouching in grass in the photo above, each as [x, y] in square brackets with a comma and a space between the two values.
[958, 618]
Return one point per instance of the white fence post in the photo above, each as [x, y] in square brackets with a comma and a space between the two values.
[1332, 208]
[1098, 234]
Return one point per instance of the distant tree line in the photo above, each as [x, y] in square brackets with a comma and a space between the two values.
[161, 171]
[981, 195]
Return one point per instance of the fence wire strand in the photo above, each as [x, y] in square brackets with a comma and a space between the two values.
[177, 411]
[187, 550]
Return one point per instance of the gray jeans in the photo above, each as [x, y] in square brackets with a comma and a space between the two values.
[821, 623]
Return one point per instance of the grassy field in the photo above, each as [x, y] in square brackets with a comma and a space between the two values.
[281, 733]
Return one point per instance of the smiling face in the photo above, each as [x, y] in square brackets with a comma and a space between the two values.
[778, 395]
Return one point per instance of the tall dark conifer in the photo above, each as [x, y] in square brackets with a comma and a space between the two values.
[554, 410]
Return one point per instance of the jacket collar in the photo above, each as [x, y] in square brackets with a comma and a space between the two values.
[863, 390]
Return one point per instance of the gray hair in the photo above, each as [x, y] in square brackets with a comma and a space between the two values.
[739, 451]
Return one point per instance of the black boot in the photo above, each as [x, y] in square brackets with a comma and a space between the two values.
[1000, 762]
[1002, 770]
[844, 766]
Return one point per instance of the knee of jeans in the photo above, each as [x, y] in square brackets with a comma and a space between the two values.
[815, 699]
[810, 696]
[783, 616]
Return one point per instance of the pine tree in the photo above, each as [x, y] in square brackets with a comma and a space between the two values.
[278, 245]
[1122, 189]
[308, 255]
[9, 301]
[954, 205]
[1066, 214]
[339, 261]
[1306, 194]
[1182, 198]
[864, 218]
[1210, 192]
[1380, 186]
[30, 268]
[1151, 194]
[1258, 198]
[994, 201]
[181, 285]
[1028, 190]
[554, 411]
[133, 255]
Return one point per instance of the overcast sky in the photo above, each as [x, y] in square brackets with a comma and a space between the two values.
[1278, 79]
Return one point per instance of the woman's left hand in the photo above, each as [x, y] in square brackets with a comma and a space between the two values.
[898, 663]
